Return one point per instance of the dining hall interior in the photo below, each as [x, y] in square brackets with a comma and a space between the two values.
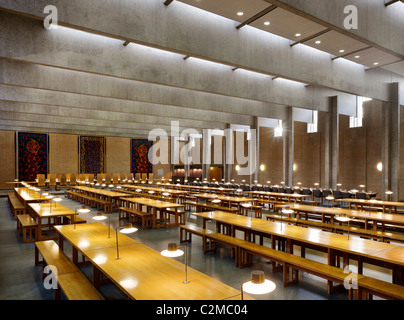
[202, 150]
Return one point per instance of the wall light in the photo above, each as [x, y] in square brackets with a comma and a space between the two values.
[379, 166]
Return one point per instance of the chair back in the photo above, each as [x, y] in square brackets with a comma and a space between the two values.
[41, 180]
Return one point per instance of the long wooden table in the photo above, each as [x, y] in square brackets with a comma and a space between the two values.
[41, 211]
[154, 206]
[296, 197]
[230, 200]
[178, 194]
[363, 250]
[27, 196]
[218, 190]
[141, 273]
[374, 217]
[386, 206]
[107, 195]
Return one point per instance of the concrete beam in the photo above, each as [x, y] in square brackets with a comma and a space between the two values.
[247, 48]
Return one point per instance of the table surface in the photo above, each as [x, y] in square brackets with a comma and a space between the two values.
[397, 219]
[143, 273]
[223, 198]
[154, 203]
[53, 209]
[290, 195]
[373, 202]
[100, 191]
[354, 245]
[159, 190]
[30, 195]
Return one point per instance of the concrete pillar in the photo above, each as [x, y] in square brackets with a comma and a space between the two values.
[206, 154]
[288, 148]
[229, 153]
[391, 144]
[256, 147]
[332, 146]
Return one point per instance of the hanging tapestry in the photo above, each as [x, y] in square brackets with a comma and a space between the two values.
[92, 155]
[140, 156]
[32, 155]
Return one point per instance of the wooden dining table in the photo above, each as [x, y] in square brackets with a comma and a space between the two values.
[368, 216]
[141, 273]
[154, 206]
[52, 210]
[27, 196]
[386, 206]
[110, 196]
[296, 197]
[335, 245]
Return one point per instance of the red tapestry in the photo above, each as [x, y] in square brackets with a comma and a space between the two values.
[140, 156]
[32, 155]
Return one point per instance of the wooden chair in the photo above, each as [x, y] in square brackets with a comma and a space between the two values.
[144, 177]
[63, 180]
[115, 178]
[52, 181]
[99, 178]
[151, 178]
[73, 179]
[68, 178]
[41, 180]
[137, 177]
[90, 177]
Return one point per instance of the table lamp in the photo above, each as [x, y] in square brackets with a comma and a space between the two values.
[172, 251]
[100, 217]
[344, 219]
[287, 211]
[57, 199]
[257, 284]
[82, 209]
[127, 229]
[389, 194]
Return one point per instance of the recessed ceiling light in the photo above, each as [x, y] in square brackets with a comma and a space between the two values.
[318, 42]
[357, 57]
[341, 51]
[240, 13]
[298, 34]
[267, 23]
[376, 63]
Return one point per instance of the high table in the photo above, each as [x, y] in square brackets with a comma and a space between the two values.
[141, 273]
[154, 206]
[373, 203]
[363, 250]
[40, 211]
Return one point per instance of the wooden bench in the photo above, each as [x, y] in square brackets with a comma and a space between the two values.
[179, 215]
[27, 225]
[134, 215]
[77, 220]
[202, 206]
[367, 287]
[244, 250]
[17, 207]
[69, 278]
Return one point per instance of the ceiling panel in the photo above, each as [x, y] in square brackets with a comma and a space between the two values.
[230, 8]
[334, 42]
[287, 24]
[371, 56]
[397, 67]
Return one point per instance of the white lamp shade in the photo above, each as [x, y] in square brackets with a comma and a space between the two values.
[172, 254]
[262, 288]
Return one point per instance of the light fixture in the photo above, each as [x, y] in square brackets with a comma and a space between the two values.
[78, 210]
[357, 57]
[287, 211]
[376, 63]
[240, 13]
[262, 167]
[344, 219]
[57, 199]
[172, 251]
[257, 284]
[294, 167]
[237, 168]
[267, 23]
[127, 229]
[379, 166]
[318, 42]
[389, 194]
[342, 51]
[298, 34]
[100, 217]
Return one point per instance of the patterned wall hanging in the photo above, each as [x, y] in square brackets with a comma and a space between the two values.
[92, 154]
[32, 155]
[140, 156]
